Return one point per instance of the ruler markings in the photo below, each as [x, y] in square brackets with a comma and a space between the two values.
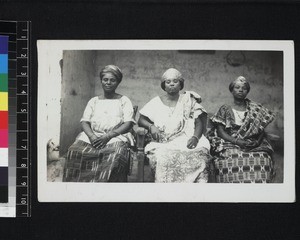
[23, 192]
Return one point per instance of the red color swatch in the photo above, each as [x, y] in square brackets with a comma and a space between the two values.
[3, 120]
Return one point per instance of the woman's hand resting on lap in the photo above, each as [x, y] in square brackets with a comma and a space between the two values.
[99, 142]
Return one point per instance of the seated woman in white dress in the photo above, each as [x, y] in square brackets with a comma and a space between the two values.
[178, 152]
[100, 152]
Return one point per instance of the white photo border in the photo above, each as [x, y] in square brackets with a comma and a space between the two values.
[49, 84]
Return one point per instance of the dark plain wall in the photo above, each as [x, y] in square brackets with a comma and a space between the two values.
[208, 73]
[78, 86]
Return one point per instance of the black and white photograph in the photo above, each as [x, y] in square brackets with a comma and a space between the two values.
[152, 119]
[165, 121]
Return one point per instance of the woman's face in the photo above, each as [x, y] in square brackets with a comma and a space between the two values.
[109, 82]
[239, 90]
[172, 85]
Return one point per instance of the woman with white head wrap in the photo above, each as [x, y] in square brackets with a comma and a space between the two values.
[178, 151]
[100, 152]
[241, 150]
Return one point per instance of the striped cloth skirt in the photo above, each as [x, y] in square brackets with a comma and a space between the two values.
[85, 163]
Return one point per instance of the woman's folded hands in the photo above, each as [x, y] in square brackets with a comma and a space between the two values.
[252, 143]
[99, 142]
[247, 143]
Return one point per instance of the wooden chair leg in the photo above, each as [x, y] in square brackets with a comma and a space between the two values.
[140, 173]
[141, 133]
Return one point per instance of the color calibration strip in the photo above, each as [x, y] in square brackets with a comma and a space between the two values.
[17, 93]
[3, 119]
[8, 31]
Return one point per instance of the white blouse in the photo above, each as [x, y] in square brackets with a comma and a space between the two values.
[105, 115]
[176, 124]
[239, 116]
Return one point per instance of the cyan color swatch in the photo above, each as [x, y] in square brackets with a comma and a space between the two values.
[3, 63]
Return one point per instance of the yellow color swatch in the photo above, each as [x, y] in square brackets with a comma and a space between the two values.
[3, 101]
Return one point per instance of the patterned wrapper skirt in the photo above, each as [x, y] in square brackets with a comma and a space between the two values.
[85, 163]
[169, 165]
[237, 166]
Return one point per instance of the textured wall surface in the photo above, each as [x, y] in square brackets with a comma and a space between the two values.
[78, 86]
[206, 72]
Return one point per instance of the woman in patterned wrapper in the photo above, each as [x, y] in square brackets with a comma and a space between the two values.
[101, 151]
[178, 152]
[241, 151]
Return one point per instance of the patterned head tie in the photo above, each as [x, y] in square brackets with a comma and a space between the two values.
[114, 70]
[241, 80]
[171, 73]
